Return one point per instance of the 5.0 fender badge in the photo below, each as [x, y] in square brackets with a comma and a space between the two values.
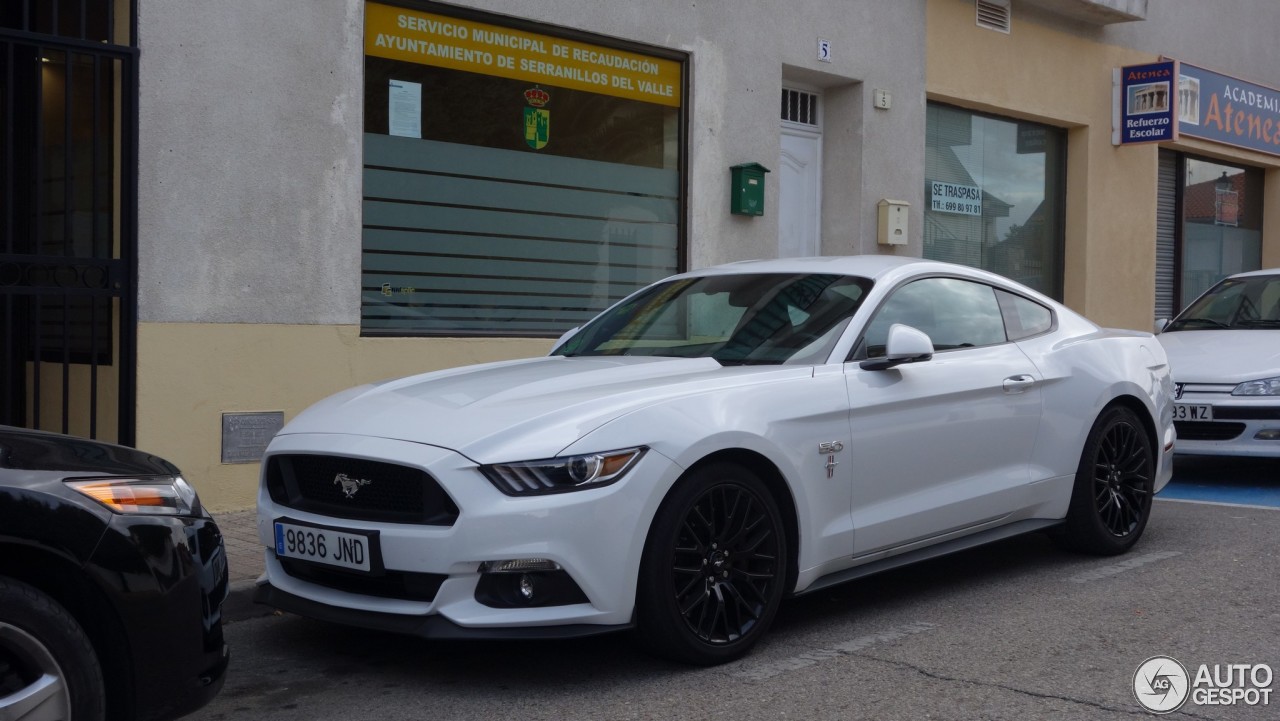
[830, 450]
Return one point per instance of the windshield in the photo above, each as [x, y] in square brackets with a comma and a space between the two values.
[761, 318]
[1252, 302]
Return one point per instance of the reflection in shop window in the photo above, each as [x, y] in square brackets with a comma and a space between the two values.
[994, 195]
[1221, 224]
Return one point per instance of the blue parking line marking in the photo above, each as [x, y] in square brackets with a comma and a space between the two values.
[1225, 480]
[1232, 494]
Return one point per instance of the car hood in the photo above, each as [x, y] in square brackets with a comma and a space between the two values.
[1222, 356]
[66, 456]
[524, 409]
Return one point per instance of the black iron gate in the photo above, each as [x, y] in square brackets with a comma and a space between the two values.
[68, 159]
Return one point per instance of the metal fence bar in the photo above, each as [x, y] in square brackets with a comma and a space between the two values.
[51, 292]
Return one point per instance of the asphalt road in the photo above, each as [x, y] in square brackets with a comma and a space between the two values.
[1018, 630]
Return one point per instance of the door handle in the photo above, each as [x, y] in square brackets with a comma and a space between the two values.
[1018, 383]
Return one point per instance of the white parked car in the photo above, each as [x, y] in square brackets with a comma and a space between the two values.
[710, 445]
[1225, 353]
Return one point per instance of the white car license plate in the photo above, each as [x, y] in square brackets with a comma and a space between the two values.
[1192, 412]
[325, 545]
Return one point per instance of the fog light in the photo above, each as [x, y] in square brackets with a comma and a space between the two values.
[516, 588]
[1268, 434]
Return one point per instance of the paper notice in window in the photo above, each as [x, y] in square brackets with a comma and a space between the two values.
[404, 111]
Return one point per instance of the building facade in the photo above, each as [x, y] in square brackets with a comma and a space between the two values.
[218, 214]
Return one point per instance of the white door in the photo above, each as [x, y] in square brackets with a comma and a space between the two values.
[800, 196]
[944, 445]
[800, 175]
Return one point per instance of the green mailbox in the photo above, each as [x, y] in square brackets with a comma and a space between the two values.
[746, 196]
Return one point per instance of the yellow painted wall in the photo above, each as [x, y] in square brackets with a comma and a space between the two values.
[189, 374]
[1038, 73]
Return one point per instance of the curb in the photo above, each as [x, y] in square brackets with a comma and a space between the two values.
[239, 605]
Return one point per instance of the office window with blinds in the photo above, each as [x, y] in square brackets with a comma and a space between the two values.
[516, 196]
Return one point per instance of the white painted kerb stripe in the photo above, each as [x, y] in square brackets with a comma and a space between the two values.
[1127, 565]
[817, 655]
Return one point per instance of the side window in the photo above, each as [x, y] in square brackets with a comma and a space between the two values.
[954, 313]
[1269, 301]
[1023, 318]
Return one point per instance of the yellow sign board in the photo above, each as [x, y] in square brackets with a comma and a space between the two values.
[448, 42]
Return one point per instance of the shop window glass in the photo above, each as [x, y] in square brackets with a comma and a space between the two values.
[1221, 224]
[516, 181]
[994, 195]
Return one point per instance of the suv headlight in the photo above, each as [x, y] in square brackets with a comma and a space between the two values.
[557, 475]
[1264, 387]
[160, 496]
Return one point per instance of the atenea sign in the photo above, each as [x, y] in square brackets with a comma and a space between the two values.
[1226, 110]
[1145, 103]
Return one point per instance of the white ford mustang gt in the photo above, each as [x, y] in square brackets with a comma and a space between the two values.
[1225, 353]
[710, 445]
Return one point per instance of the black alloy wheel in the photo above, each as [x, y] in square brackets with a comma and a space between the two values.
[1111, 499]
[1122, 479]
[714, 567]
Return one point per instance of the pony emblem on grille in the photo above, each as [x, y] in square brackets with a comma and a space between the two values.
[350, 485]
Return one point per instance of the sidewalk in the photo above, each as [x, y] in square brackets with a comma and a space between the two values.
[244, 563]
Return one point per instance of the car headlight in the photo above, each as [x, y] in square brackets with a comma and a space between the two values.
[162, 496]
[557, 475]
[1264, 387]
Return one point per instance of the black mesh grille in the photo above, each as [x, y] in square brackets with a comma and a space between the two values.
[1207, 430]
[1241, 413]
[389, 584]
[357, 488]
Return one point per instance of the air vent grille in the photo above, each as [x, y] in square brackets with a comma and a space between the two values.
[993, 14]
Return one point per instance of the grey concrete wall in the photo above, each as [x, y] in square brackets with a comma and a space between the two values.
[249, 170]
[1233, 37]
[249, 160]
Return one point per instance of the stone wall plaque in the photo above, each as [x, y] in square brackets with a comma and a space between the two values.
[245, 435]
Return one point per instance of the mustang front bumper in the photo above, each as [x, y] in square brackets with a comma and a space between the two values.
[595, 537]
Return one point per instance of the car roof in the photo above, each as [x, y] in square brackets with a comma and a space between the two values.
[1256, 273]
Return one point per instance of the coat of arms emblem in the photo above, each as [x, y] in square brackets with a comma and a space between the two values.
[537, 119]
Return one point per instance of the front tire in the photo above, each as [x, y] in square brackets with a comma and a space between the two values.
[48, 668]
[1111, 499]
[714, 565]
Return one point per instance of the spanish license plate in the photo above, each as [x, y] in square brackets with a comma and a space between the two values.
[330, 546]
[1192, 412]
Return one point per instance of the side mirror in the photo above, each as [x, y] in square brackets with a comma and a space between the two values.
[905, 345]
[560, 341]
[1160, 324]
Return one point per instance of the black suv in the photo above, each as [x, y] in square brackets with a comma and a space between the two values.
[112, 578]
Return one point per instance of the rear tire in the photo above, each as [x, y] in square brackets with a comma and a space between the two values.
[48, 668]
[711, 578]
[1111, 499]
